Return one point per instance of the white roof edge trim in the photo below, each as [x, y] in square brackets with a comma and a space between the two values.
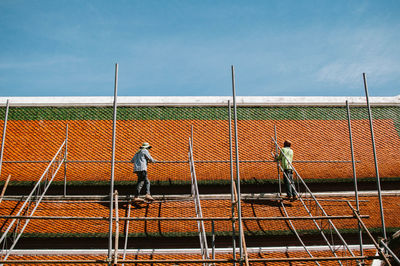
[198, 101]
[175, 251]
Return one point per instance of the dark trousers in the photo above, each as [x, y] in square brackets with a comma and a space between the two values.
[288, 179]
[142, 179]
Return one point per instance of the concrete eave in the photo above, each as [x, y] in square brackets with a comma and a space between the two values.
[198, 101]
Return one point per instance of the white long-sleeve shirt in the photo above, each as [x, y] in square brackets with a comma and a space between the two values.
[140, 160]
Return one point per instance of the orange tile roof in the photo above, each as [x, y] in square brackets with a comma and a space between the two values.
[313, 140]
[211, 208]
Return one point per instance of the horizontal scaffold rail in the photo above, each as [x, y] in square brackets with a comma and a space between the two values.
[183, 218]
[193, 260]
[185, 162]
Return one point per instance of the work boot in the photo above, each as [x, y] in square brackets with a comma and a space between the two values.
[137, 199]
[294, 198]
[149, 197]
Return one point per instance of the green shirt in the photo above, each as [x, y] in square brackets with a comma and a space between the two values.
[289, 155]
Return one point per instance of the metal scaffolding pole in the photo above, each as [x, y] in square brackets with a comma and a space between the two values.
[277, 164]
[51, 169]
[196, 198]
[395, 258]
[126, 233]
[112, 165]
[317, 225]
[316, 201]
[65, 163]
[187, 261]
[354, 176]
[378, 181]
[232, 182]
[185, 162]
[116, 229]
[246, 256]
[191, 144]
[228, 218]
[4, 135]
[297, 235]
[239, 207]
[212, 240]
[320, 230]
[383, 255]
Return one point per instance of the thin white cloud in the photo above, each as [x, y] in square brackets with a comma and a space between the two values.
[371, 50]
[41, 62]
[349, 74]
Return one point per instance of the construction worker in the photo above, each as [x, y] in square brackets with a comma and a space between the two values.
[140, 160]
[287, 155]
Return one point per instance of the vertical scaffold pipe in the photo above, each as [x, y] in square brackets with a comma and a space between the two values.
[112, 166]
[378, 181]
[239, 208]
[116, 229]
[232, 182]
[65, 161]
[277, 164]
[191, 144]
[354, 175]
[3, 140]
[126, 233]
[213, 240]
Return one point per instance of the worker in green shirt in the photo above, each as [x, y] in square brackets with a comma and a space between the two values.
[286, 158]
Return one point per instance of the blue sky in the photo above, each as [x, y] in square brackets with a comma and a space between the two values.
[186, 48]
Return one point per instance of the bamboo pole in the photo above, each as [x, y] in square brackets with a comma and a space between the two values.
[246, 256]
[116, 229]
[126, 233]
[4, 188]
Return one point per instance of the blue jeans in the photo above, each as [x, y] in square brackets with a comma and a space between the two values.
[288, 179]
[142, 179]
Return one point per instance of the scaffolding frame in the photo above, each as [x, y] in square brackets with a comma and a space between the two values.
[318, 205]
[61, 159]
[32, 202]
[3, 139]
[126, 233]
[185, 261]
[297, 235]
[197, 203]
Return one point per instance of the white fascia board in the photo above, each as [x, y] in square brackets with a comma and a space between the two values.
[39, 252]
[198, 101]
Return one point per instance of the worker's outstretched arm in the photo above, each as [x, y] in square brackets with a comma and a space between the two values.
[148, 157]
